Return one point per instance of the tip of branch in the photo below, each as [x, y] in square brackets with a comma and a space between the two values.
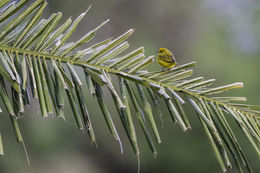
[131, 31]
[242, 84]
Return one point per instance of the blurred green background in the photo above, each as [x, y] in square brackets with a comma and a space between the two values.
[222, 36]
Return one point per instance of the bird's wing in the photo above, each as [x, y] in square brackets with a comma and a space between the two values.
[168, 59]
[173, 58]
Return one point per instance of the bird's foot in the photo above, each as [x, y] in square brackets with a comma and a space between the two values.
[166, 69]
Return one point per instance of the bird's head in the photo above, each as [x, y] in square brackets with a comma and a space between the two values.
[162, 50]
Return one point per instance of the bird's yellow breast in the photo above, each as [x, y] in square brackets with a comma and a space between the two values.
[166, 64]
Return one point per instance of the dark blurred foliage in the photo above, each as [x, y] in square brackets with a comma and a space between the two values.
[222, 36]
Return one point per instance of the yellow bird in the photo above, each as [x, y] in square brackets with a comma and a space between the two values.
[165, 58]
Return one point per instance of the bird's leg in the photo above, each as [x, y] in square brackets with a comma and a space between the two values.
[165, 69]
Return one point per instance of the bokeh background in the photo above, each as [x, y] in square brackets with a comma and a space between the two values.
[222, 36]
